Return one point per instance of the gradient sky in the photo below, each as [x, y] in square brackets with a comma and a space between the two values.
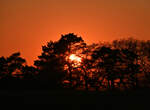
[26, 25]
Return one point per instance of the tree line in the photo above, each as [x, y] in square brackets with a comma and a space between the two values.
[121, 64]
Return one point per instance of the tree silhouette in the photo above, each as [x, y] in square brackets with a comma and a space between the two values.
[3, 67]
[114, 64]
[53, 59]
[29, 72]
[121, 64]
[140, 48]
[15, 63]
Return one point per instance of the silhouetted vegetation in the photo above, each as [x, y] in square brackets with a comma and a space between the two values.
[119, 65]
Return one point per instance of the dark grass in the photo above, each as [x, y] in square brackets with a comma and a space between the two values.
[31, 92]
[79, 100]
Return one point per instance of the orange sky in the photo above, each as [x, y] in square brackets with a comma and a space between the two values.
[25, 25]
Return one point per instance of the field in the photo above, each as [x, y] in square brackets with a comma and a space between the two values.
[78, 100]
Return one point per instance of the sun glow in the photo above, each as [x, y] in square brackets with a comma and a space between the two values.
[75, 58]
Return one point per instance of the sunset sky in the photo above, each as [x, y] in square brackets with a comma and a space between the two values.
[26, 25]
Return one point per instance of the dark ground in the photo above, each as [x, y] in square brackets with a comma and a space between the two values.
[78, 100]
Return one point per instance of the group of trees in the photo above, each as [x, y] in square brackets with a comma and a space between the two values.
[14, 67]
[122, 64]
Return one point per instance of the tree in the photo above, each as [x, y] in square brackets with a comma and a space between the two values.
[140, 48]
[15, 64]
[114, 64]
[89, 73]
[53, 59]
[3, 67]
[29, 72]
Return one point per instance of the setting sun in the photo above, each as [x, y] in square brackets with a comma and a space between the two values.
[75, 58]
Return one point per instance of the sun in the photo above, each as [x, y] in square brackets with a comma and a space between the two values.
[76, 60]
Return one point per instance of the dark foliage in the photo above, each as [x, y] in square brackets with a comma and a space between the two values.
[121, 65]
[53, 58]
